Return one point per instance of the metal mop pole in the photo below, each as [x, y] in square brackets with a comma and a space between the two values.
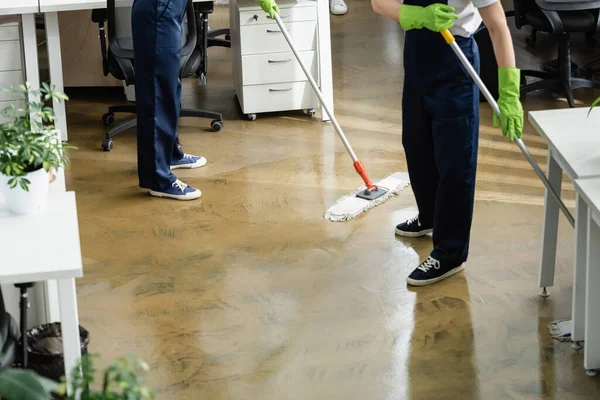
[358, 165]
[450, 40]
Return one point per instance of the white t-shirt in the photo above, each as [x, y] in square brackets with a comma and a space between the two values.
[469, 19]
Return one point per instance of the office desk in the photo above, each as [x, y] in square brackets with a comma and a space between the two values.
[45, 247]
[589, 190]
[51, 7]
[573, 141]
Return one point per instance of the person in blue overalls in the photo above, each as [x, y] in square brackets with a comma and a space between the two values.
[157, 28]
[440, 119]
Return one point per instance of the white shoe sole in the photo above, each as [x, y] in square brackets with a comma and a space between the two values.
[338, 12]
[413, 234]
[456, 270]
[188, 197]
[200, 163]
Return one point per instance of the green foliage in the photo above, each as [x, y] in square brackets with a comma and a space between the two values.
[28, 138]
[19, 384]
[594, 104]
[122, 380]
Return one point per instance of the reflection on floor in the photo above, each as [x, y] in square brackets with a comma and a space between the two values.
[250, 294]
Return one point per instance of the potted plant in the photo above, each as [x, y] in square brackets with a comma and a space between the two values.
[121, 381]
[31, 151]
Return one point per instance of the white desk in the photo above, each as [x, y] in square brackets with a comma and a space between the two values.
[50, 7]
[573, 141]
[44, 247]
[589, 191]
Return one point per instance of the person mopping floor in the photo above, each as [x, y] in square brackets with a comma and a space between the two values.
[440, 119]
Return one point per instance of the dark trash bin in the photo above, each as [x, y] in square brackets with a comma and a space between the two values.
[45, 350]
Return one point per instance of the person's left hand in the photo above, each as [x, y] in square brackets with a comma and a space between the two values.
[269, 6]
[511, 110]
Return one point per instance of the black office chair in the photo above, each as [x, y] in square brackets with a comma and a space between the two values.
[9, 337]
[212, 36]
[559, 18]
[118, 60]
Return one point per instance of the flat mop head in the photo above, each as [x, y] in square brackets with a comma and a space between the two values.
[359, 201]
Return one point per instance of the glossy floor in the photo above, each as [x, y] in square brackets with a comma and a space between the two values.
[250, 294]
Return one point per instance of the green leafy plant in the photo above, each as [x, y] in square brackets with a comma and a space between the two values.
[122, 380]
[28, 139]
[594, 104]
[21, 384]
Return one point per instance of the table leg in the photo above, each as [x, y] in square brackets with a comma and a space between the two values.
[325, 65]
[30, 53]
[579, 273]
[549, 238]
[69, 320]
[591, 358]
[56, 72]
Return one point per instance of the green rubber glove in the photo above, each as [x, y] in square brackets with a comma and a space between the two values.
[269, 6]
[436, 17]
[511, 110]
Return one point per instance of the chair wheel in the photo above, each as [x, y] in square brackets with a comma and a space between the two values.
[252, 117]
[216, 126]
[108, 119]
[108, 144]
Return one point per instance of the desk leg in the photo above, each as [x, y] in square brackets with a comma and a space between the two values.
[549, 238]
[30, 52]
[579, 272]
[591, 358]
[70, 326]
[56, 72]
[325, 67]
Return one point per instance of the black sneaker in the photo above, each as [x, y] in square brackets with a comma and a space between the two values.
[431, 271]
[412, 228]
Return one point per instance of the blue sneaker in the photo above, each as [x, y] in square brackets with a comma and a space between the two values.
[432, 271]
[189, 161]
[413, 228]
[178, 191]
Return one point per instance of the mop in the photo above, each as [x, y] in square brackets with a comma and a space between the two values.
[371, 194]
[465, 62]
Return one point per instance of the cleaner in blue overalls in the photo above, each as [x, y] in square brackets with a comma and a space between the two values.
[157, 28]
[440, 119]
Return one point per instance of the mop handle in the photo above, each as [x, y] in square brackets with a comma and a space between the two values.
[465, 62]
[315, 87]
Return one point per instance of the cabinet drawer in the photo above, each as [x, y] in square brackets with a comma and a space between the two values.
[278, 67]
[8, 79]
[279, 97]
[262, 39]
[10, 55]
[9, 33]
[295, 14]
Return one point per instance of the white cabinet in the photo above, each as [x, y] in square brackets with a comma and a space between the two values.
[267, 77]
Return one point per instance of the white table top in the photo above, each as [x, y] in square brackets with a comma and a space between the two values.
[73, 5]
[10, 7]
[41, 247]
[573, 137]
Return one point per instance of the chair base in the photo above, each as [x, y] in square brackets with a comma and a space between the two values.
[109, 119]
[561, 77]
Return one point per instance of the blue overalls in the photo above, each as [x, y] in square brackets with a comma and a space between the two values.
[157, 26]
[440, 132]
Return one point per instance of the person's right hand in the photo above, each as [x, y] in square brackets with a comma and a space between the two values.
[269, 6]
[435, 17]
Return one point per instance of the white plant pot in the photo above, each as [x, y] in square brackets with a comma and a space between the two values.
[22, 202]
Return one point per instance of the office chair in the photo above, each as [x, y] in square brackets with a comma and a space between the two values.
[202, 10]
[9, 336]
[559, 18]
[118, 60]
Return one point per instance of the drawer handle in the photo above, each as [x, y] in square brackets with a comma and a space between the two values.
[280, 16]
[279, 61]
[275, 31]
[280, 90]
